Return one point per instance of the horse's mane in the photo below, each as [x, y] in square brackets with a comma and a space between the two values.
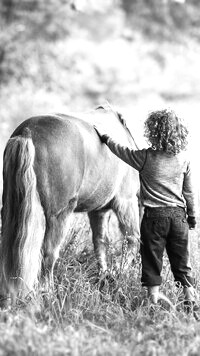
[107, 107]
[110, 121]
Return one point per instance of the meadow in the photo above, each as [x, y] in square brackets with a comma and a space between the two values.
[56, 60]
[80, 316]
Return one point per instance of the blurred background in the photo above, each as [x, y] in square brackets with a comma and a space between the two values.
[72, 55]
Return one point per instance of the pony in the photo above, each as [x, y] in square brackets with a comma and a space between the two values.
[54, 166]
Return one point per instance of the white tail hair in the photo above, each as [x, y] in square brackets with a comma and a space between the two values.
[22, 220]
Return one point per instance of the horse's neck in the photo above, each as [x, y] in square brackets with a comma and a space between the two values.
[108, 122]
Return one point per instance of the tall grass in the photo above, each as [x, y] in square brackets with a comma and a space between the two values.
[80, 315]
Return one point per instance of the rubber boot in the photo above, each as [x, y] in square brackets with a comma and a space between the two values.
[189, 294]
[190, 302]
[153, 294]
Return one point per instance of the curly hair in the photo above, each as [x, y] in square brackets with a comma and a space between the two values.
[165, 131]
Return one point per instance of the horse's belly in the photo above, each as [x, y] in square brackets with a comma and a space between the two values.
[100, 183]
[97, 200]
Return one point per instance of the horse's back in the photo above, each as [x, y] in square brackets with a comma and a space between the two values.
[71, 164]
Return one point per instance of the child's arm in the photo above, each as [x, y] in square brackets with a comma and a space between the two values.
[189, 195]
[134, 158]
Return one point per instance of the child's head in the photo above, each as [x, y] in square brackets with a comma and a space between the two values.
[165, 131]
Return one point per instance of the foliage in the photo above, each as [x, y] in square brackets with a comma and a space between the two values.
[34, 34]
[164, 19]
[26, 27]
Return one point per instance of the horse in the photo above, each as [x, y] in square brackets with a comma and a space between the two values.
[54, 166]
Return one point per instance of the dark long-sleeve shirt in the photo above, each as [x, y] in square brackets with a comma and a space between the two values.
[165, 179]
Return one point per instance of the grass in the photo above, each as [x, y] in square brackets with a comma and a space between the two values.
[75, 318]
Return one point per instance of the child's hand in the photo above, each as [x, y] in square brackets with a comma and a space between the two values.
[191, 222]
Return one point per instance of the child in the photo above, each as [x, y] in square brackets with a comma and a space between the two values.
[168, 198]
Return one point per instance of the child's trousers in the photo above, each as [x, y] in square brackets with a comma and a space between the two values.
[165, 228]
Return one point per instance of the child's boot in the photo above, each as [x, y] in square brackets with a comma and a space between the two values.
[189, 294]
[153, 294]
[190, 300]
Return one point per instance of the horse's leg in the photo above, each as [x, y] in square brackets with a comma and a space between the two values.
[127, 211]
[98, 223]
[57, 227]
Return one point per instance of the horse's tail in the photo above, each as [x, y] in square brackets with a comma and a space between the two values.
[22, 219]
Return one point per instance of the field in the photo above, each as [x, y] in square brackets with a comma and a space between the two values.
[76, 317]
[140, 55]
